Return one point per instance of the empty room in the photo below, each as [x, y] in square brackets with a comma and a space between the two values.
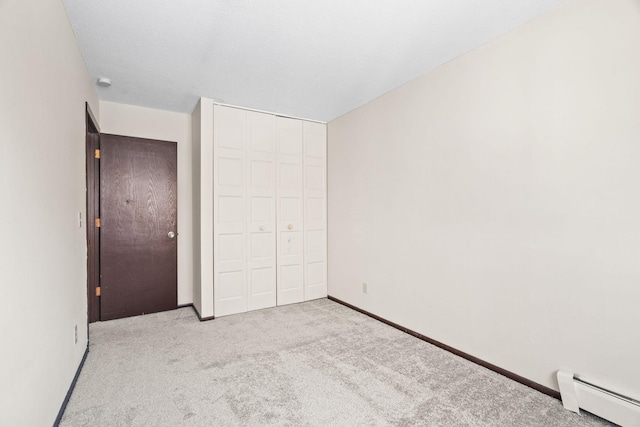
[280, 212]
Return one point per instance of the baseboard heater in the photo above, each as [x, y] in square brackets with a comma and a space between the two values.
[579, 394]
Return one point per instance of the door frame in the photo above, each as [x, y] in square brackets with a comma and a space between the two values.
[93, 212]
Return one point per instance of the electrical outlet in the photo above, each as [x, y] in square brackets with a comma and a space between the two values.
[365, 288]
[75, 334]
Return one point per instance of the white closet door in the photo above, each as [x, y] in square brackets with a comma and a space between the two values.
[261, 210]
[229, 190]
[289, 211]
[315, 210]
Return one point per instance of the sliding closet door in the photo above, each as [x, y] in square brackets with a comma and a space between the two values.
[229, 227]
[269, 228]
[261, 205]
[244, 191]
[315, 210]
[289, 212]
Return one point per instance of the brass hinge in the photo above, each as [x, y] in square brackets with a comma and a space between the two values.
[98, 291]
[98, 223]
[96, 153]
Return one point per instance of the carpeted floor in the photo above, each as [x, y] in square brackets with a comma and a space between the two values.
[311, 364]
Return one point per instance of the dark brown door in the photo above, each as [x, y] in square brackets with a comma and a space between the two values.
[138, 212]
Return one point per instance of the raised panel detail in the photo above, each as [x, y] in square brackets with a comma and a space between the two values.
[230, 172]
[231, 285]
[315, 273]
[261, 173]
[230, 209]
[263, 281]
[289, 243]
[290, 142]
[315, 242]
[261, 209]
[315, 178]
[290, 276]
[262, 245]
[315, 145]
[230, 247]
[289, 209]
[230, 135]
[315, 209]
[290, 176]
[262, 138]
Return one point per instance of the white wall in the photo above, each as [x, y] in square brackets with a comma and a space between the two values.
[494, 203]
[43, 254]
[195, 208]
[202, 124]
[129, 120]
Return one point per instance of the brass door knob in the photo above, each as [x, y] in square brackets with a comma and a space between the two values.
[290, 226]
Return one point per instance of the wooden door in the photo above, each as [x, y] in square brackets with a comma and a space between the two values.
[315, 210]
[138, 212]
[289, 212]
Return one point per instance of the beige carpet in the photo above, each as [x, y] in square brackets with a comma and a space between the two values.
[312, 364]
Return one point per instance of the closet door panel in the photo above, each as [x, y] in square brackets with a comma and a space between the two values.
[261, 210]
[230, 204]
[270, 237]
[315, 210]
[290, 187]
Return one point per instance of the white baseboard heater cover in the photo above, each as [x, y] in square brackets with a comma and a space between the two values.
[579, 394]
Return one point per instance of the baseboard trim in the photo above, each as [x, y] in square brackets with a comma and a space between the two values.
[515, 377]
[202, 319]
[70, 391]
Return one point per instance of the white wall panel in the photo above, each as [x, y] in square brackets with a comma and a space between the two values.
[493, 203]
[43, 256]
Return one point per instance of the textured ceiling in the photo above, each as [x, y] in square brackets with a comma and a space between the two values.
[310, 59]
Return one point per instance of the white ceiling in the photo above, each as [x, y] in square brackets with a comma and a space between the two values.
[302, 58]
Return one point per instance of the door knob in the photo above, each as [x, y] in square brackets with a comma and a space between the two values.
[262, 228]
[290, 226]
[171, 234]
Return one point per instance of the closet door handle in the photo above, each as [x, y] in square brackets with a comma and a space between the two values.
[262, 228]
[290, 226]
